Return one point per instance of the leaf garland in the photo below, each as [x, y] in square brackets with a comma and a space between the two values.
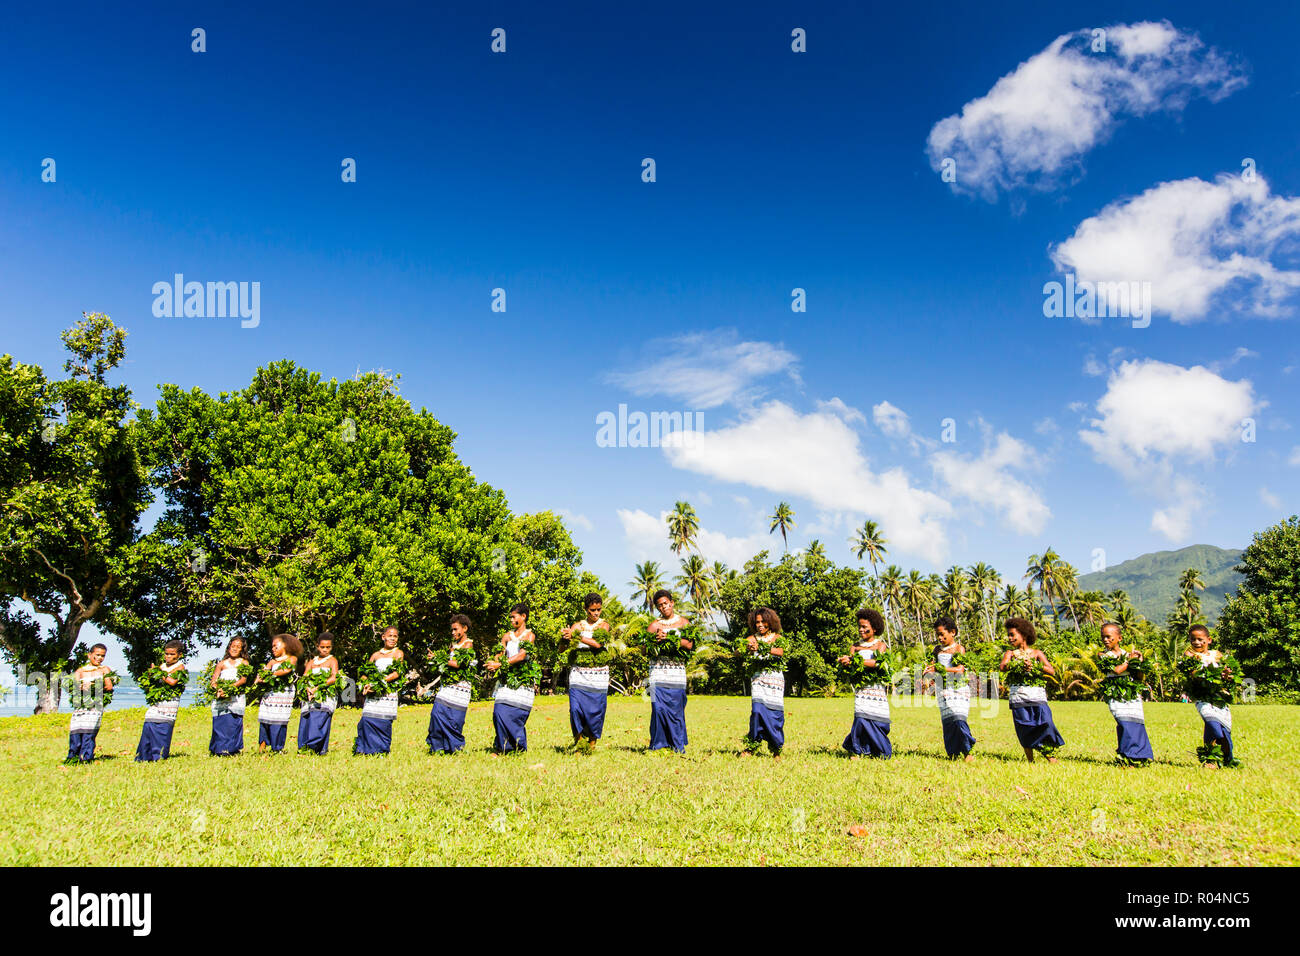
[579, 654]
[1213, 753]
[267, 683]
[526, 673]
[371, 680]
[92, 694]
[314, 686]
[666, 644]
[225, 689]
[1214, 681]
[858, 674]
[466, 664]
[1025, 670]
[1121, 687]
[755, 662]
[154, 686]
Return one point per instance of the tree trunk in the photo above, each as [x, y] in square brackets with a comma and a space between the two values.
[48, 686]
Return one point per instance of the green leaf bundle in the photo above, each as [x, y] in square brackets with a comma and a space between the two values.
[155, 688]
[226, 689]
[666, 645]
[526, 673]
[755, 662]
[582, 655]
[466, 664]
[1121, 687]
[1025, 672]
[371, 680]
[90, 695]
[1214, 682]
[316, 686]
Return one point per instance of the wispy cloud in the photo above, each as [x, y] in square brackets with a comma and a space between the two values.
[708, 369]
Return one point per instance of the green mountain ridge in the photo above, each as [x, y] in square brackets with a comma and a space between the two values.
[1151, 580]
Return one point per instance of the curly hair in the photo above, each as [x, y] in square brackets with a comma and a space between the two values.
[872, 616]
[768, 617]
[292, 646]
[1023, 627]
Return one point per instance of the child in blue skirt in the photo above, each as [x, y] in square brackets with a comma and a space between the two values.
[588, 673]
[316, 712]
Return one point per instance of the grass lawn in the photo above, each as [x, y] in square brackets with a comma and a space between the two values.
[622, 805]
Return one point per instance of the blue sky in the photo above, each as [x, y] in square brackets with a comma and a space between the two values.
[775, 170]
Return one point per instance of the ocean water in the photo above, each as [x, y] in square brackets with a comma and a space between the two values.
[20, 701]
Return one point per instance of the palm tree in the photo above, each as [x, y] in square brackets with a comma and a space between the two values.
[1013, 603]
[916, 598]
[696, 580]
[646, 582]
[871, 542]
[816, 549]
[954, 593]
[1048, 573]
[891, 590]
[683, 526]
[1092, 607]
[985, 582]
[783, 519]
[1190, 580]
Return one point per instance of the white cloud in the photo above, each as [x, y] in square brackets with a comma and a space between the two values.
[1037, 122]
[708, 369]
[646, 537]
[817, 457]
[1294, 460]
[846, 412]
[891, 420]
[1185, 500]
[1092, 367]
[1194, 242]
[1270, 499]
[986, 480]
[581, 521]
[1241, 352]
[1153, 410]
[1154, 416]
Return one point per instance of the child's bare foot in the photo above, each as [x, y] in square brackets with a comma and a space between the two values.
[1052, 760]
[970, 758]
[744, 753]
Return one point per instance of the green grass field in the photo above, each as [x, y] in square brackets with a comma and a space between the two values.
[622, 805]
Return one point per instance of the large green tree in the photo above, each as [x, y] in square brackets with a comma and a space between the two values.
[305, 505]
[1261, 622]
[815, 600]
[72, 486]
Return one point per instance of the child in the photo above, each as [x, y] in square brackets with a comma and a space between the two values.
[375, 729]
[767, 687]
[1029, 711]
[588, 680]
[276, 706]
[668, 682]
[228, 711]
[1132, 744]
[512, 705]
[91, 681]
[953, 690]
[160, 717]
[869, 735]
[1218, 719]
[447, 721]
[317, 711]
